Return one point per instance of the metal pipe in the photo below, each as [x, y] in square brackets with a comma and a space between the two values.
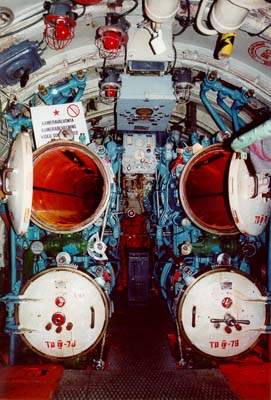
[13, 259]
[160, 11]
[199, 18]
[211, 82]
[254, 135]
[212, 111]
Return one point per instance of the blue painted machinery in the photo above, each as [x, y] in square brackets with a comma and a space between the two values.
[79, 245]
[18, 62]
[206, 251]
[71, 90]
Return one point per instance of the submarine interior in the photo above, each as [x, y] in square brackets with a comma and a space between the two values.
[135, 175]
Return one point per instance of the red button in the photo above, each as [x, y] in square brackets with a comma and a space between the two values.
[58, 319]
[226, 302]
[60, 301]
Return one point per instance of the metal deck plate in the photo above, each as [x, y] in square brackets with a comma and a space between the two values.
[208, 384]
[139, 364]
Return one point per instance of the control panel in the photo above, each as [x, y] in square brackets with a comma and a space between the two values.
[139, 157]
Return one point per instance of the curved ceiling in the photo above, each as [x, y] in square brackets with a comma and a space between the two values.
[247, 67]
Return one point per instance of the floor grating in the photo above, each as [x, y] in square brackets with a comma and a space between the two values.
[140, 365]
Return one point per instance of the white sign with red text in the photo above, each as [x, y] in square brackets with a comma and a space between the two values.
[60, 121]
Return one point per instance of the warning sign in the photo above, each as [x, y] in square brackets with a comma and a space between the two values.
[73, 110]
[261, 52]
[60, 121]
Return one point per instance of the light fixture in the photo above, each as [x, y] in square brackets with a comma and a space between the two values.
[112, 37]
[60, 23]
[227, 15]
[159, 12]
[109, 86]
[183, 84]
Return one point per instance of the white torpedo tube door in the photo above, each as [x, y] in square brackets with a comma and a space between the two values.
[221, 313]
[17, 183]
[63, 186]
[221, 195]
[249, 197]
[64, 313]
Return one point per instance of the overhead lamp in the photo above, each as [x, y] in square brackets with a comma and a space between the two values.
[159, 12]
[227, 15]
[183, 84]
[60, 23]
[112, 37]
[109, 86]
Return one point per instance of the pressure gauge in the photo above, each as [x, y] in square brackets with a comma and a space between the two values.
[139, 154]
[139, 142]
[36, 247]
[63, 258]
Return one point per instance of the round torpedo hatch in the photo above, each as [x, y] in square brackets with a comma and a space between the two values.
[203, 190]
[221, 196]
[71, 187]
[66, 319]
[220, 313]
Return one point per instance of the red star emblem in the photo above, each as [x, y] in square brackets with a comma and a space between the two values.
[56, 112]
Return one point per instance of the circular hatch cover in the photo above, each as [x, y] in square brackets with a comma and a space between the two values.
[250, 207]
[18, 183]
[220, 313]
[63, 314]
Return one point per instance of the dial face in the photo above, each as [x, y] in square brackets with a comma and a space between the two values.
[139, 142]
[36, 247]
[139, 154]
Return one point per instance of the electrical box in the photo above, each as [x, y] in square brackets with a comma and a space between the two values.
[140, 54]
[145, 103]
[138, 277]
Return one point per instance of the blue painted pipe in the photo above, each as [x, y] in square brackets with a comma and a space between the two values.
[211, 110]
[59, 94]
[240, 98]
[233, 111]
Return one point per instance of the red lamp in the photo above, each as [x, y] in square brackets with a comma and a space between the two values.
[111, 38]
[59, 31]
[109, 86]
[60, 23]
